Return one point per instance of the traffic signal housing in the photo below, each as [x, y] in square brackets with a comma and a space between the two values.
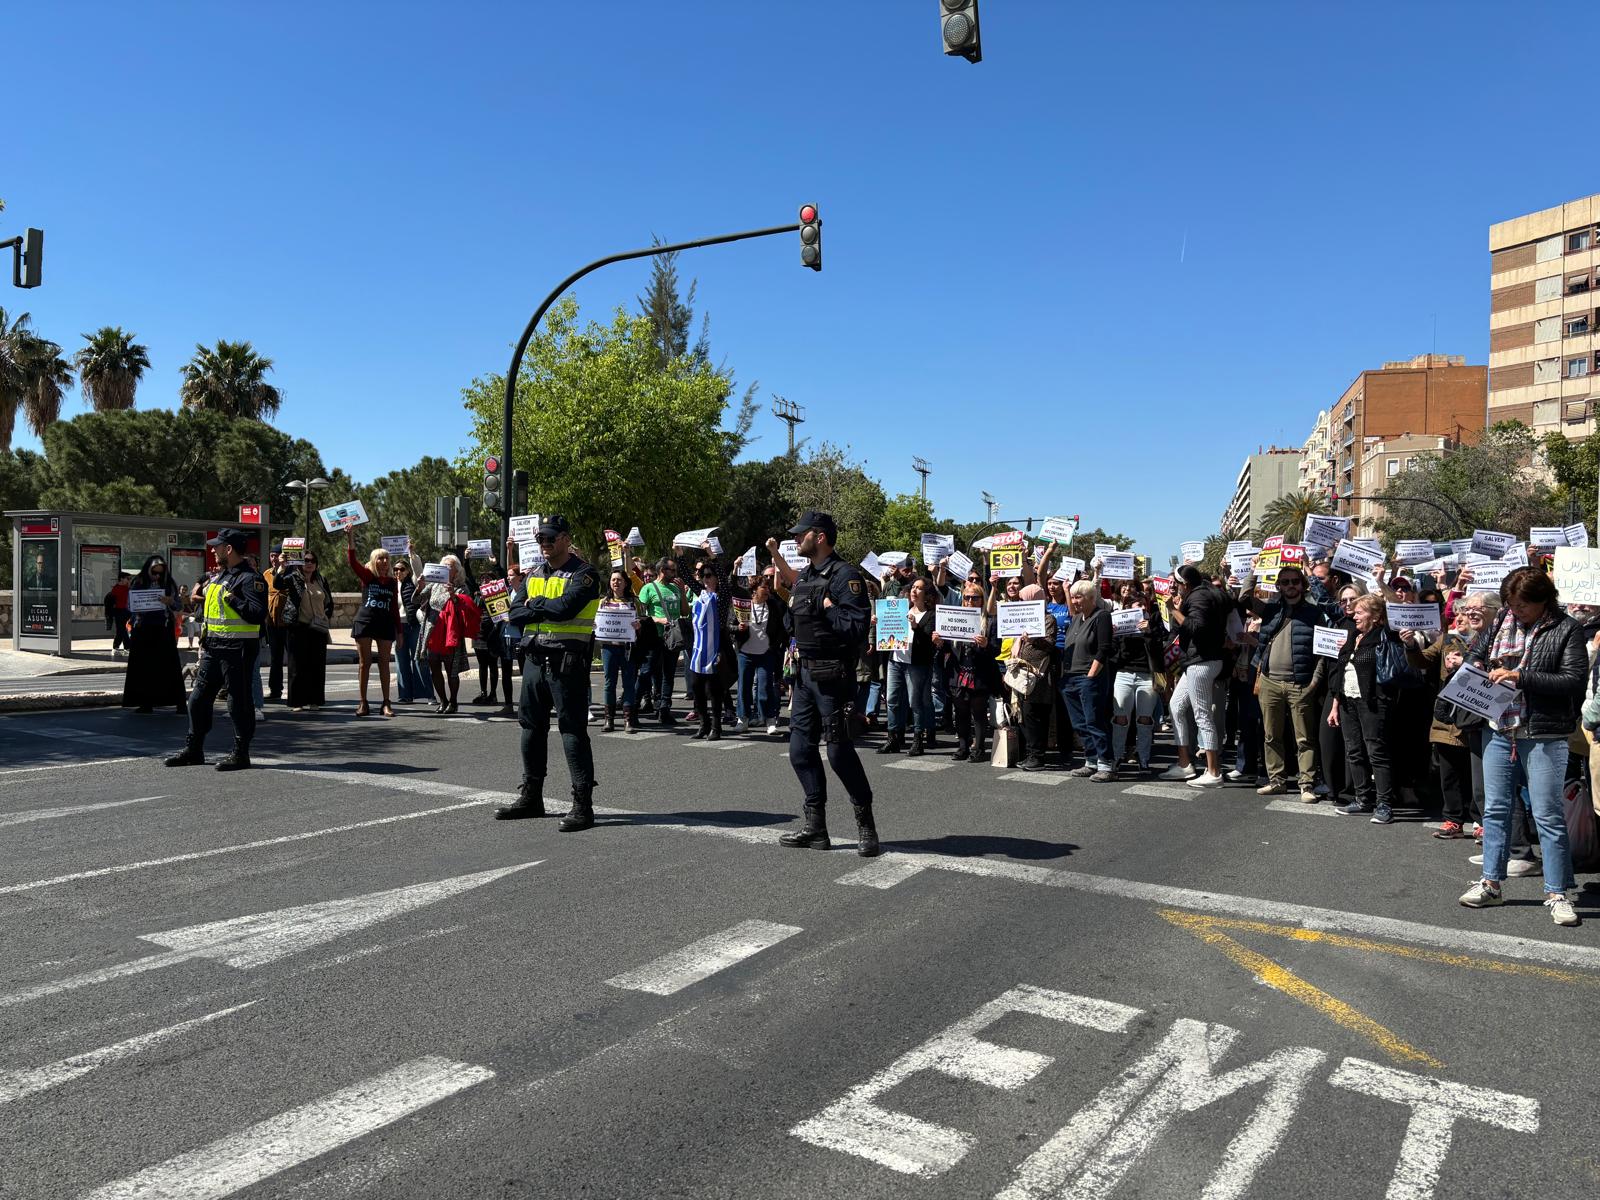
[810, 237]
[493, 491]
[958, 26]
[519, 493]
[32, 258]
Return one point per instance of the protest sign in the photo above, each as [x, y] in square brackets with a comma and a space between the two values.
[1359, 561]
[1161, 585]
[1294, 556]
[982, 546]
[1005, 562]
[1577, 535]
[957, 622]
[1409, 551]
[1101, 550]
[614, 544]
[791, 555]
[741, 609]
[1060, 530]
[1242, 546]
[1191, 552]
[893, 558]
[398, 546]
[635, 538]
[1547, 537]
[1487, 577]
[1268, 562]
[525, 529]
[495, 600]
[693, 537]
[894, 624]
[530, 555]
[1038, 555]
[1517, 556]
[1125, 621]
[435, 573]
[1368, 543]
[1116, 565]
[1578, 575]
[716, 544]
[1469, 688]
[1010, 537]
[1240, 565]
[1328, 642]
[480, 548]
[1070, 569]
[1421, 617]
[342, 516]
[936, 547]
[294, 550]
[1460, 545]
[1273, 543]
[614, 623]
[146, 600]
[1326, 531]
[1019, 618]
[745, 566]
[870, 565]
[1487, 541]
[1470, 559]
[959, 566]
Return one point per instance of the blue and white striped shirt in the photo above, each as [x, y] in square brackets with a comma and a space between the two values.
[707, 634]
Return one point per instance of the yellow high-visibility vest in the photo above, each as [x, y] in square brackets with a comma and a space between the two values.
[222, 619]
[580, 626]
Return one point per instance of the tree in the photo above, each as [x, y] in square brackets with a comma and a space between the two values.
[670, 315]
[1494, 484]
[905, 519]
[1215, 561]
[1084, 543]
[46, 376]
[758, 504]
[110, 367]
[21, 473]
[229, 378]
[402, 502]
[829, 481]
[1286, 516]
[13, 378]
[1576, 467]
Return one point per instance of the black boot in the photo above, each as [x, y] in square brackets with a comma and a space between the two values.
[931, 742]
[704, 731]
[716, 725]
[611, 719]
[918, 743]
[630, 719]
[190, 756]
[866, 833]
[529, 803]
[980, 751]
[581, 815]
[963, 752]
[892, 744]
[239, 760]
[813, 835]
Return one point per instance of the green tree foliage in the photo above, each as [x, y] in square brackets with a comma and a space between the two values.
[1576, 467]
[110, 367]
[46, 376]
[14, 332]
[402, 502]
[1215, 561]
[830, 481]
[905, 519]
[229, 378]
[758, 504]
[608, 437]
[1286, 516]
[21, 473]
[1083, 545]
[1492, 485]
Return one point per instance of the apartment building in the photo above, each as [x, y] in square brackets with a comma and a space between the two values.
[1382, 459]
[1544, 306]
[1269, 473]
[1317, 458]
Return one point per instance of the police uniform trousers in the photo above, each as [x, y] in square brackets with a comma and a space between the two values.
[819, 712]
[233, 666]
[548, 683]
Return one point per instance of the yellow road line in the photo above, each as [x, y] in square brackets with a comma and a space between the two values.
[1291, 985]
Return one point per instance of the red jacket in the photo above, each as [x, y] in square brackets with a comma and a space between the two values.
[456, 626]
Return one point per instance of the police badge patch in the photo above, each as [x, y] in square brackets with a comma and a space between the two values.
[855, 587]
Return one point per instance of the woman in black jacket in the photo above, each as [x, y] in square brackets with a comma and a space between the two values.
[307, 613]
[1086, 673]
[974, 681]
[155, 677]
[1537, 649]
[1201, 616]
[1135, 663]
[1363, 712]
[911, 677]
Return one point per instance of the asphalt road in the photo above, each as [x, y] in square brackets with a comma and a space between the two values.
[336, 976]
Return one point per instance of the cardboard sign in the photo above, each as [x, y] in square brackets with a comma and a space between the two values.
[1240, 565]
[480, 548]
[1161, 585]
[1191, 552]
[294, 550]
[1060, 530]
[959, 566]
[1116, 565]
[635, 538]
[398, 546]
[1019, 618]
[525, 529]
[936, 547]
[693, 537]
[1359, 561]
[1328, 642]
[1578, 575]
[1327, 532]
[1547, 537]
[1469, 688]
[146, 600]
[435, 573]
[1577, 536]
[1005, 563]
[1070, 569]
[1125, 621]
[894, 624]
[790, 550]
[342, 516]
[614, 623]
[957, 622]
[716, 544]
[1421, 617]
[1487, 541]
[1409, 551]
[745, 566]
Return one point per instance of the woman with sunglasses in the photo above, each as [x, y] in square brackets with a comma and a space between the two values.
[450, 621]
[910, 677]
[307, 615]
[377, 620]
[412, 683]
[155, 676]
[974, 680]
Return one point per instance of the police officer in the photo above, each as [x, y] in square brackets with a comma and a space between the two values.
[234, 605]
[555, 606]
[831, 613]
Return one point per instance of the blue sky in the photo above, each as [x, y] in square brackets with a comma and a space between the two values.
[1088, 274]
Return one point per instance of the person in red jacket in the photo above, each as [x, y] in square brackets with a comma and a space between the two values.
[117, 614]
[453, 630]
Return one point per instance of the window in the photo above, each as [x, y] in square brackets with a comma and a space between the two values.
[1547, 330]
[1547, 370]
[1578, 327]
[1548, 249]
[1548, 288]
[1545, 412]
[1392, 467]
[1581, 240]
[1411, 462]
[1577, 284]
[1577, 368]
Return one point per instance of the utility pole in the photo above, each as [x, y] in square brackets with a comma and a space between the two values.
[788, 412]
[993, 506]
[921, 467]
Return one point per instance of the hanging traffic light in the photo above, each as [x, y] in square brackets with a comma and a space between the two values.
[32, 258]
[519, 493]
[958, 20]
[493, 494]
[810, 237]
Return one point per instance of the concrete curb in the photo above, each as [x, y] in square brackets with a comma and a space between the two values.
[45, 701]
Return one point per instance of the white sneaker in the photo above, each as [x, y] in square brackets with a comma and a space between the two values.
[741, 726]
[1481, 895]
[1233, 776]
[1561, 910]
[261, 715]
[772, 729]
[1516, 868]
[1208, 780]
[1176, 773]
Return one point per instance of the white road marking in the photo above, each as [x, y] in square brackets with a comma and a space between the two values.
[919, 764]
[884, 872]
[638, 735]
[1300, 806]
[1436, 1105]
[1053, 779]
[700, 960]
[252, 941]
[14, 1085]
[82, 762]
[299, 1135]
[1162, 791]
[50, 814]
[720, 744]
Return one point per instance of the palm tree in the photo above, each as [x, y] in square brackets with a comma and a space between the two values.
[1286, 516]
[13, 380]
[110, 367]
[46, 376]
[230, 379]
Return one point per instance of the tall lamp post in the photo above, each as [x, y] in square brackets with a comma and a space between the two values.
[304, 488]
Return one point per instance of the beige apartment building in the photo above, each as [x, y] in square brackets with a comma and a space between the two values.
[1384, 458]
[1317, 458]
[1544, 303]
[1269, 473]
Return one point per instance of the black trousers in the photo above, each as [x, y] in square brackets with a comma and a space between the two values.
[1330, 750]
[972, 717]
[1036, 721]
[820, 712]
[277, 640]
[229, 665]
[558, 682]
[1368, 736]
[1453, 766]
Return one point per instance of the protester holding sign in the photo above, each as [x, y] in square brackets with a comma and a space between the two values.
[1086, 676]
[412, 680]
[1454, 744]
[1136, 661]
[759, 637]
[664, 604]
[307, 614]
[154, 677]
[376, 620]
[447, 631]
[1536, 648]
[910, 685]
[1365, 693]
[1029, 663]
[705, 654]
[974, 678]
[1201, 616]
[616, 657]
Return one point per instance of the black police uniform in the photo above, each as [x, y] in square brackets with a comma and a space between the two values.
[226, 659]
[829, 639]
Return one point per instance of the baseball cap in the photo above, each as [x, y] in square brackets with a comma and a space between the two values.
[553, 524]
[237, 538]
[812, 519]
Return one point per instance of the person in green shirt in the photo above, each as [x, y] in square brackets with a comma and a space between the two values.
[662, 601]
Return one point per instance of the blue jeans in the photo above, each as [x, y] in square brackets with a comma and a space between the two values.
[410, 675]
[904, 676]
[1509, 764]
[615, 660]
[1087, 710]
[757, 687]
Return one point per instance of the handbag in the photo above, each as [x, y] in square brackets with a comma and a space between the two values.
[1394, 669]
[1453, 714]
[1021, 678]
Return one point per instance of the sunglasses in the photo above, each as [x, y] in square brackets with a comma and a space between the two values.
[547, 539]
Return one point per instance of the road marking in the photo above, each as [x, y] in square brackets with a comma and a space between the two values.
[299, 1135]
[700, 960]
[918, 764]
[1282, 979]
[261, 938]
[1300, 806]
[637, 735]
[719, 744]
[14, 1085]
[50, 814]
[82, 762]
[884, 872]
[1034, 777]
[1162, 791]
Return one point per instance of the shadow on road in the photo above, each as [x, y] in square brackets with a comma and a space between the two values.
[978, 845]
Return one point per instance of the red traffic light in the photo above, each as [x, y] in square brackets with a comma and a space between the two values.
[808, 212]
[491, 464]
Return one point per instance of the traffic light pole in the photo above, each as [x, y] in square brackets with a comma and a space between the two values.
[533, 324]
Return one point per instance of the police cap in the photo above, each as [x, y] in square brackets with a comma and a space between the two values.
[812, 519]
[237, 538]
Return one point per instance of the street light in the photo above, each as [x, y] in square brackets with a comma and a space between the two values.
[304, 487]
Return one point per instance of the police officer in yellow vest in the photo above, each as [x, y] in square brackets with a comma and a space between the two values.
[235, 608]
[555, 606]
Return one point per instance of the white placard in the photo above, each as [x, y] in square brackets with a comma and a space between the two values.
[398, 546]
[614, 623]
[936, 547]
[1070, 569]
[1578, 575]
[1421, 617]
[635, 538]
[1517, 556]
[1101, 550]
[146, 600]
[957, 622]
[1116, 565]
[1577, 536]
[525, 529]
[1469, 688]
[1547, 537]
[1060, 530]
[983, 545]
[716, 545]
[1240, 565]
[1470, 559]
[1460, 545]
[1326, 531]
[1487, 577]
[1125, 621]
[530, 555]
[1191, 552]
[1356, 559]
[1240, 547]
[791, 555]
[342, 516]
[480, 548]
[693, 537]
[889, 558]
[1409, 551]
[959, 566]
[745, 567]
[1487, 541]
[435, 573]
[1367, 543]
[1019, 618]
[1328, 642]
[871, 565]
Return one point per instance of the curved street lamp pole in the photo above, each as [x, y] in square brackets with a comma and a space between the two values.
[1440, 509]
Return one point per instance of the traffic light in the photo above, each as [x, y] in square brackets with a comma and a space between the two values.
[32, 258]
[493, 494]
[958, 21]
[810, 237]
[519, 493]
